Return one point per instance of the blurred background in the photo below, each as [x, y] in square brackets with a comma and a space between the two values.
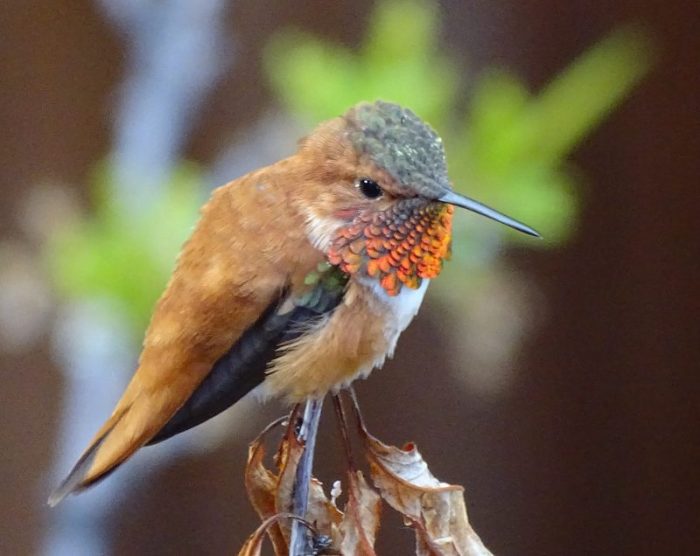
[557, 380]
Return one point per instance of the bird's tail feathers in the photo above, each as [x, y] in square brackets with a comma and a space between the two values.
[117, 440]
[76, 479]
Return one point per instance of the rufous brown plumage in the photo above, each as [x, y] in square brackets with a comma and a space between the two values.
[298, 278]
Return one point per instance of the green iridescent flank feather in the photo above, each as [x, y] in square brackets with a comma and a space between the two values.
[330, 279]
[398, 141]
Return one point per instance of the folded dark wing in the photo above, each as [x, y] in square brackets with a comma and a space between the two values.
[243, 367]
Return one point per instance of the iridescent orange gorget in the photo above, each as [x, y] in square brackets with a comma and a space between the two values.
[399, 246]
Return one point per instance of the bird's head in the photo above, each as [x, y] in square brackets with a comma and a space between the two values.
[381, 203]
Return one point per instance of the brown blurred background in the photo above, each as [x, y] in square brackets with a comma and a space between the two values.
[593, 450]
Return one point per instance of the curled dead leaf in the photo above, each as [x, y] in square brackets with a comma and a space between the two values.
[287, 460]
[271, 493]
[362, 516]
[261, 485]
[323, 513]
[436, 510]
[253, 544]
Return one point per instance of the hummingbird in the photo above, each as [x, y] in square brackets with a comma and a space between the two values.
[298, 279]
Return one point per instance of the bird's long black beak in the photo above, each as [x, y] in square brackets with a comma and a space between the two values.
[457, 200]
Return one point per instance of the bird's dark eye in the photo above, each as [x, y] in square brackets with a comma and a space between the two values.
[369, 188]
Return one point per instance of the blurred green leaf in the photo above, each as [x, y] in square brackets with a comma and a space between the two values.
[399, 62]
[125, 257]
[577, 100]
[510, 147]
[513, 145]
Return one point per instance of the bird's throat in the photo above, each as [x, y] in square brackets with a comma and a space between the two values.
[399, 247]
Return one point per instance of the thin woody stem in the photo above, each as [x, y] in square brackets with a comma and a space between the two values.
[300, 541]
[356, 407]
[343, 426]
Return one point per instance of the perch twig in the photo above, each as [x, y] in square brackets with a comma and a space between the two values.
[300, 541]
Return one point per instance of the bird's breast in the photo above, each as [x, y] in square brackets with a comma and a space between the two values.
[357, 337]
[399, 309]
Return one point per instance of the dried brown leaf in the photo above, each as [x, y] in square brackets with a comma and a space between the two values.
[261, 485]
[436, 510]
[253, 544]
[362, 517]
[271, 494]
[287, 459]
[322, 513]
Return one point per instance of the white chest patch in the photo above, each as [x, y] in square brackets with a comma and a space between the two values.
[403, 307]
